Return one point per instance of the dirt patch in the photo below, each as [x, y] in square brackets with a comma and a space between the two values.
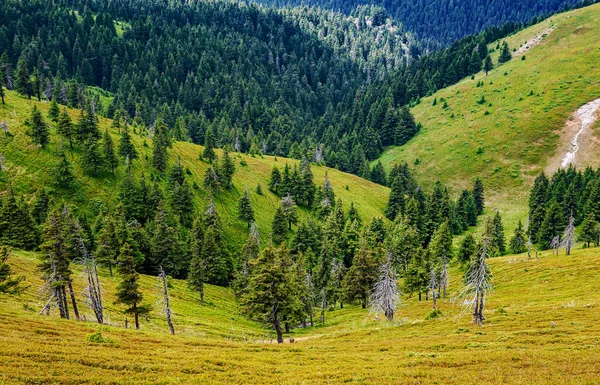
[579, 143]
[532, 42]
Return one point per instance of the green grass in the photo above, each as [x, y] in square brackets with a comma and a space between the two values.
[214, 344]
[29, 168]
[509, 139]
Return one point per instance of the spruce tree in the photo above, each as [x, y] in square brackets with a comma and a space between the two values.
[209, 144]
[226, 170]
[62, 174]
[211, 181]
[37, 128]
[245, 210]
[53, 111]
[417, 273]
[440, 249]
[39, 211]
[275, 180]
[467, 249]
[395, 204]
[197, 274]
[110, 158]
[128, 290]
[552, 226]
[406, 128]
[588, 232]
[126, 147]
[164, 244]
[8, 283]
[518, 242]
[159, 146]
[478, 195]
[17, 227]
[360, 278]
[65, 128]
[108, 244]
[488, 65]
[378, 174]
[182, 203]
[279, 228]
[537, 207]
[91, 158]
[289, 210]
[214, 252]
[505, 54]
[23, 84]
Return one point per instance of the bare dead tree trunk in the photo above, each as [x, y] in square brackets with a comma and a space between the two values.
[137, 317]
[65, 302]
[277, 325]
[167, 306]
[72, 294]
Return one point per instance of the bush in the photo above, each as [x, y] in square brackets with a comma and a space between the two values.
[97, 338]
[434, 314]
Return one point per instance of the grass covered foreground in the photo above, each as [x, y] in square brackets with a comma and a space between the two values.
[214, 344]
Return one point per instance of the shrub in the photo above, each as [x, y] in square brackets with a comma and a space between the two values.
[434, 314]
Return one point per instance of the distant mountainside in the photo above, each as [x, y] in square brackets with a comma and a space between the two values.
[445, 21]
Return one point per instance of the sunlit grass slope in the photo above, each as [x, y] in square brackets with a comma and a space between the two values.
[214, 344]
[508, 139]
[30, 169]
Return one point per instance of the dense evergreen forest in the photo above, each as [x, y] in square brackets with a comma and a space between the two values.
[445, 21]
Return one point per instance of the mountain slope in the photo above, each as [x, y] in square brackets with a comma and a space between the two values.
[30, 169]
[213, 344]
[510, 136]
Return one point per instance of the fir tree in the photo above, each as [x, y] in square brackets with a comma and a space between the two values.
[378, 174]
[467, 249]
[62, 174]
[126, 147]
[518, 242]
[478, 195]
[197, 274]
[488, 65]
[182, 203]
[108, 244]
[537, 207]
[275, 180]
[499, 239]
[407, 128]
[552, 226]
[128, 290]
[417, 273]
[39, 211]
[65, 127]
[17, 227]
[159, 146]
[37, 128]
[165, 244]
[211, 181]
[395, 204]
[209, 144]
[245, 210]
[214, 252]
[110, 158]
[289, 210]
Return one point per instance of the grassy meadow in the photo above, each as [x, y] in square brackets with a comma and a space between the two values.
[30, 169]
[509, 138]
[214, 344]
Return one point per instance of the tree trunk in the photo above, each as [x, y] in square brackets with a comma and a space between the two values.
[61, 303]
[287, 327]
[109, 266]
[434, 298]
[65, 303]
[278, 328]
[364, 302]
[312, 324]
[3, 99]
[126, 323]
[419, 296]
[72, 293]
[137, 318]
[202, 292]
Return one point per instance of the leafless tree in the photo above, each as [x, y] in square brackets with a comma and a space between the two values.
[478, 278]
[433, 285]
[385, 297]
[444, 275]
[555, 243]
[4, 127]
[2, 161]
[236, 145]
[93, 291]
[162, 276]
[568, 239]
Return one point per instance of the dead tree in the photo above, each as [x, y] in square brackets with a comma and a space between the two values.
[433, 286]
[555, 244]
[162, 276]
[93, 291]
[568, 239]
[385, 297]
[478, 278]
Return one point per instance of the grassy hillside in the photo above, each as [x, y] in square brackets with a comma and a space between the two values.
[30, 169]
[215, 345]
[512, 136]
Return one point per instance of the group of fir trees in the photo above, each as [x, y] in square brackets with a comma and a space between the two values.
[428, 212]
[296, 182]
[219, 175]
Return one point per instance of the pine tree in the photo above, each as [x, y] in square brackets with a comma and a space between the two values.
[499, 239]
[588, 232]
[17, 227]
[406, 128]
[417, 273]
[518, 243]
[165, 244]
[488, 65]
[378, 174]
[226, 170]
[214, 252]
[65, 127]
[478, 195]
[128, 290]
[537, 207]
[126, 147]
[361, 277]
[245, 210]
[209, 144]
[108, 244]
[395, 204]
[53, 111]
[197, 274]
[37, 128]
[211, 181]
[8, 283]
[275, 180]
[289, 210]
[91, 158]
[23, 83]
[39, 211]
[62, 174]
[505, 54]
[440, 249]
[36, 84]
[552, 226]
[110, 158]
[280, 227]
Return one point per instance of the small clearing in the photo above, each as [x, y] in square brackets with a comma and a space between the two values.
[533, 42]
